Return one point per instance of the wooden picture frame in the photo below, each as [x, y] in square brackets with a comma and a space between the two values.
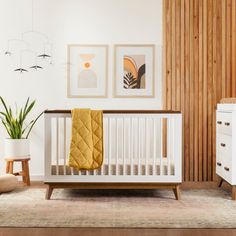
[87, 71]
[130, 60]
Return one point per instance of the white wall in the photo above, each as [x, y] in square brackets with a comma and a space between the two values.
[67, 22]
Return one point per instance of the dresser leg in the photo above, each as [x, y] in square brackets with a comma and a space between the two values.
[234, 192]
[221, 182]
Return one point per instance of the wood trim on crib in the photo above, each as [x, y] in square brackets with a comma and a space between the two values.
[119, 112]
[174, 186]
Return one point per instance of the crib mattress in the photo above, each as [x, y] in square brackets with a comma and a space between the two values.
[120, 169]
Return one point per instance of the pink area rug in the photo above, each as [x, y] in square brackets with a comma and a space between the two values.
[211, 208]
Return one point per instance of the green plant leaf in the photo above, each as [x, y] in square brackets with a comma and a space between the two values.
[7, 129]
[29, 108]
[26, 105]
[14, 125]
[33, 124]
[4, 104]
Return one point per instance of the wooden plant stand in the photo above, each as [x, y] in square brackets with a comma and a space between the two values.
[25, 168]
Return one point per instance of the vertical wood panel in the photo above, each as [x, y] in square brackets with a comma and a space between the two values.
[182, 49]
[200, 92]
[167, 67]
[168, 51]
[228, 48]
[173, 53]
[187, 92]
[164, 87]
[191, 96]
[205, 26]
[223, 6]
[233, 47]
[177, 47]
[200, 69]
[209, 86]
[196, 86]
[214, 86]
[219, 49]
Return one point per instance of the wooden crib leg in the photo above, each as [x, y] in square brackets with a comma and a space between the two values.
[48, 192]
[177, 192]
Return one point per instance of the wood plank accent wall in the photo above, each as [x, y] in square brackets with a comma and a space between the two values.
[199, 60]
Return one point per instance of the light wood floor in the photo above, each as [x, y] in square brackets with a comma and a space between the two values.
[114, 232]
[120, 231]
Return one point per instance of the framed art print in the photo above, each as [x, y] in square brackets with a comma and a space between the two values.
[134, 71]
[87, 71]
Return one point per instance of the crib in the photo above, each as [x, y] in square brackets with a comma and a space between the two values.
[142, 150]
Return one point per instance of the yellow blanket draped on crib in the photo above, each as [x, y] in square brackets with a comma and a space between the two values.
[86, 147]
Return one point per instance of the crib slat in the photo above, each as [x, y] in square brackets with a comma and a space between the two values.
[154, 147]
[57, 145]
[161, 146]
[146, 146]
[142, 127]
[131, 144]
[123, 144]
[64, 146]
[70, 168]
[72, 171]
[109, 146]
[139, 146]
[169, 146]
[48, 146]
[173, 143]
[105, 146]
[117, 146]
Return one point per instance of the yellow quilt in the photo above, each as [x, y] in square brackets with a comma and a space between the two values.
[86, 148]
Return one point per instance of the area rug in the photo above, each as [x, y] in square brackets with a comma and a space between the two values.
[211, 208]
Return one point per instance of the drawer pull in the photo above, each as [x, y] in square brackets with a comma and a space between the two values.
[226, 168]
[227, 123]
[219, 122]
[218, 163]
[222, 144]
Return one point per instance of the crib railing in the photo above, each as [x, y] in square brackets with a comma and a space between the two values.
[139, 146]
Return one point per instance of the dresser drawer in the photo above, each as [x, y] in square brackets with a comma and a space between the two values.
[224, 156]
[224, 146]
[224, 169]
[224, 122]
[226, 173]
[219, 166]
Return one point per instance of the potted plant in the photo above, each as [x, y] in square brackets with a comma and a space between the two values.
[17, 145]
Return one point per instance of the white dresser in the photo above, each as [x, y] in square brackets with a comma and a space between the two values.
[226, 144]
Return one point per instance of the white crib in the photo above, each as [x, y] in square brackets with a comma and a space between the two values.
[142, 149]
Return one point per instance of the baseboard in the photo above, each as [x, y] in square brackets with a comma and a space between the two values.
[37, 177]
[200, 185]
[33, 178]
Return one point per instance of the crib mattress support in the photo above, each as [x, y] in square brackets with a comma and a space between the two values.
[174, 186]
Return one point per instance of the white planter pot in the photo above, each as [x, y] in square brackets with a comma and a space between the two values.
[16, 148]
